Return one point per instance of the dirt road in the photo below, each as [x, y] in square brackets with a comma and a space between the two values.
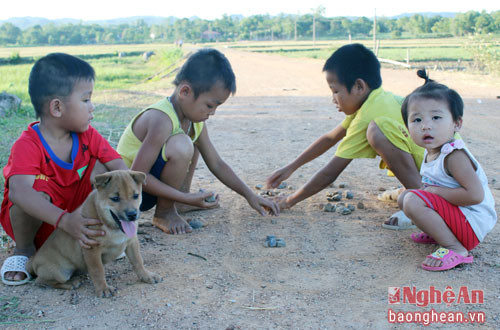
[335, 270]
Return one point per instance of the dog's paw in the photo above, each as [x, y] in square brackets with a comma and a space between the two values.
[106, 292]
[151, 278]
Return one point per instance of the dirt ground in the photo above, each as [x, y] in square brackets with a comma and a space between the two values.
[335, 270]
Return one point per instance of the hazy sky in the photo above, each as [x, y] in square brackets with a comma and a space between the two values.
[210, 9]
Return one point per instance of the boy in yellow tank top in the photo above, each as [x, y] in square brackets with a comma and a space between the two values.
[166, 139]
[373, 126]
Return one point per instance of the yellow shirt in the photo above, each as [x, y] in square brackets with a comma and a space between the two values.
[129, 144]
[378, 104]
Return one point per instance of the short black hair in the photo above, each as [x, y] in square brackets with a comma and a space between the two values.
[434, 91]
[354, 61]
[204, 69]
[55, 75]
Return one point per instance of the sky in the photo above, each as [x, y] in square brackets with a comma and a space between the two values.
[211, 9]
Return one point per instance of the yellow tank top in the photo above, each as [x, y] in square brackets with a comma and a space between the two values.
[129, 144]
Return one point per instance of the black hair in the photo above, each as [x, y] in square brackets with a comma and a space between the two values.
[204, 69]
[434, 91]
[352, 62]
[55, 75]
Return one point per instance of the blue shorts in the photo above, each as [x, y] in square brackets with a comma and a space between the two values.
[148, 200]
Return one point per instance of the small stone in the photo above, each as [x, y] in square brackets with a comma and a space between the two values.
[329, 208]
[196, 224]
[271, 241]
[343, 185]
[361, 205]
[210, 287]
[283, 185]
[349, 195]
[335, 198]
[210, 199]
[381, 189]
[346, 211]
[280, 242]
[351, 207]
[259, 186]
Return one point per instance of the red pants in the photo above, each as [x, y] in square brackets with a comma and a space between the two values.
[453, 217]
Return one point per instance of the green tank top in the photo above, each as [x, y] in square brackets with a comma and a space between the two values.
[129, 144]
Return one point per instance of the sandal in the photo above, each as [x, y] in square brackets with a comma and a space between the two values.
[390, 195]
[449, 259]
[403, 222]
[422, 238]
[15, 264]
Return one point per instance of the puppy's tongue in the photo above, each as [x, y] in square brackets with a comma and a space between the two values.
[128, 228]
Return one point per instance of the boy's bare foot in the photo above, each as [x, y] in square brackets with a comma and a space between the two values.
[172, 223]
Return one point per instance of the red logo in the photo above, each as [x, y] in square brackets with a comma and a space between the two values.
[393, 295]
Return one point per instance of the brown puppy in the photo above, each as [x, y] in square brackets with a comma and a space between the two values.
[115, 201]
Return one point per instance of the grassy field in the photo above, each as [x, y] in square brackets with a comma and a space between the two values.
[419, 50]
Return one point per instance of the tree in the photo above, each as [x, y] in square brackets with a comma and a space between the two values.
[9, 34]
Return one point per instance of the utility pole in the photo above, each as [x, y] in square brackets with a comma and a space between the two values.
[295, 29]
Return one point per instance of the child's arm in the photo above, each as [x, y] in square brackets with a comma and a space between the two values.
[116, 164]
[318, 182]
[22, 194]
[158, 130]
[460, 167]
[316, 149]
[227, 176]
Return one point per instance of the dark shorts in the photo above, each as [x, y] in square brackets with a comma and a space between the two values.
[149, 201]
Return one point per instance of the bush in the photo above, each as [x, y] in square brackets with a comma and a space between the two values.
[485, 50]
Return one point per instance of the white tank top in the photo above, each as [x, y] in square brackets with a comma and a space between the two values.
[481, 217]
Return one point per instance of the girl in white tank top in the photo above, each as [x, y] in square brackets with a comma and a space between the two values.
[454, 208]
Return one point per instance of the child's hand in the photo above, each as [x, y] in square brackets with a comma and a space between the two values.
[282, 202]
[278, 176]
[77, 227]
[263, 205]
[205, 199]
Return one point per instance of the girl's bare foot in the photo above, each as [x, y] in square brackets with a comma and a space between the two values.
[172, 223]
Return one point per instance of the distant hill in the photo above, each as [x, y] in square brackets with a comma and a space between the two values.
[26, 22]
[427, 14]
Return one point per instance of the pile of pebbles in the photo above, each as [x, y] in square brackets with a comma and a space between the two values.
[341, 208]
[273, 192]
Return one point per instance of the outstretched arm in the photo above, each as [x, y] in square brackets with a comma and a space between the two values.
[318, 182]
[316, 149]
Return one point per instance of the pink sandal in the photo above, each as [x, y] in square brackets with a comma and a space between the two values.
[422, 238]
[449, 259]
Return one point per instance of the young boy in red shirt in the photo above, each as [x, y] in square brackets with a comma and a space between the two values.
[49, 171]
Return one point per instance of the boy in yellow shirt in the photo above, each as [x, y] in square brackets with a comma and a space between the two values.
[373, 126]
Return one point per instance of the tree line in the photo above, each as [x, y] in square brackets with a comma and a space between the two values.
[256, 27]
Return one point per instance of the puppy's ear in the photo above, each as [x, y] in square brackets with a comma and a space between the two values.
[138, 177]
[102, 180]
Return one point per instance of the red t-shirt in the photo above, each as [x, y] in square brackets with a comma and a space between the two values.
[31, 155]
